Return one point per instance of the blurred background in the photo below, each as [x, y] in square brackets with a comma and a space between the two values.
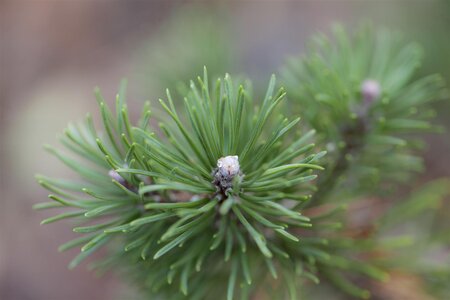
[53, 53]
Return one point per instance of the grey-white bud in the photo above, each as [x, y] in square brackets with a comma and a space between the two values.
[370, 90]
[228, 166]
[116, 176]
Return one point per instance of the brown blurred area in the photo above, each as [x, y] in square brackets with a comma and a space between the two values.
[52, 54]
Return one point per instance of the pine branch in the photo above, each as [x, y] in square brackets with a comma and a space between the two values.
[219, 199]
[210, 180]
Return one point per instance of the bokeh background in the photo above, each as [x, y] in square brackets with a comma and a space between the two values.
[53, 53]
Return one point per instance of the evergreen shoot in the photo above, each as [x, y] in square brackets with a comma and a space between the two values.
[214, 192]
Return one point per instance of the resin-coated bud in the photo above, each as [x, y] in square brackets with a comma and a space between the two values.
[227, 168]
[228, 165]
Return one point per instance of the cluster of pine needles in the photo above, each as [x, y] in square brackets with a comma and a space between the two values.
[214, 192]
